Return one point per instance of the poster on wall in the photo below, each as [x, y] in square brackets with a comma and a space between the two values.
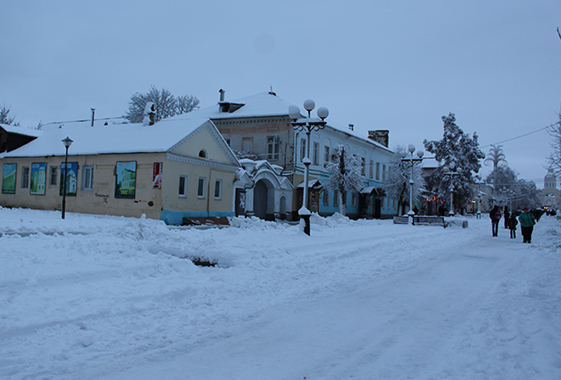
[157, 175]
[125, 181]
[9, 178]
[71, 178]
[38, 178]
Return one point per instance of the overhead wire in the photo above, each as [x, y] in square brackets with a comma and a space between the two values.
[524, 135]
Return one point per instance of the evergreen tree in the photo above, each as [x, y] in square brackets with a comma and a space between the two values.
[462, 151]
[167, 105]
[346, 174]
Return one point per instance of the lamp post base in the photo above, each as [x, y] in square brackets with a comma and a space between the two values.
[306, 224]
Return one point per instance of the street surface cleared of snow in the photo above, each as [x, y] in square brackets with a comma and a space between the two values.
[98, 297]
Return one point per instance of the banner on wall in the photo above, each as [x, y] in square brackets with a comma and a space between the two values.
[125, 182]
[38, 178]
[9, 178]
[157, 175]
[71, 178]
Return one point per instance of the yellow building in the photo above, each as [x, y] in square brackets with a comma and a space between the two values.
[550, 193]
[170, 170]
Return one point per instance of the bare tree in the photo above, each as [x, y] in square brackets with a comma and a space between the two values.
[5, 119]
[167, 105]
[397, 182]
[554, 160]
[346, 174]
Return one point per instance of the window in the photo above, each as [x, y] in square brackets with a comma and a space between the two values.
[202, 153]
[316, 153]
[201, 188]
[25, 177]
[325, 155]
[335, 197]
[384, 173]
[87, 177]
[273, 147]
[344, 197]
[247, 144]
[302, 149]
[353, 199]
[363, 166]
[325, 198]
[377, 170]
[182, 185]
[53, 175]
[371, 173]
[218, 189]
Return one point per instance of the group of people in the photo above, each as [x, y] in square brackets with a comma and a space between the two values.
[527, 222]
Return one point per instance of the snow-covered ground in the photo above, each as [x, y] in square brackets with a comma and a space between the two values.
[96, 297]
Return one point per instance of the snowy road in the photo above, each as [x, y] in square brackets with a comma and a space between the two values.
[361, 300]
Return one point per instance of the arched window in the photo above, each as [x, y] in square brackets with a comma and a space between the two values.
[202, 153]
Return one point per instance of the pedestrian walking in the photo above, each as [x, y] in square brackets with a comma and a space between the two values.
[495, 216]
[527, 222]
[512, 223]
[507, 217]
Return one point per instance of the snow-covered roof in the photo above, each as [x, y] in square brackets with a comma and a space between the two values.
[101, 139]
[262, 105]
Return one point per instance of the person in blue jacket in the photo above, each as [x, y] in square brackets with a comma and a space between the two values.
[527, 222]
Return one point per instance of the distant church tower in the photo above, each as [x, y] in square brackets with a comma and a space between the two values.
[550, 193]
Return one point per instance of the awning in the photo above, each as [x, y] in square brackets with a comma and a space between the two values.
[369, 190]
[372, 190]
[313, 184]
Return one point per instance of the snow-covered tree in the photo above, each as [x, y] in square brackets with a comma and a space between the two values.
[511, 191]
[346, 174]
[5, 119]
[397, 181]
[554, 160]
[462, 151]
[167, 105]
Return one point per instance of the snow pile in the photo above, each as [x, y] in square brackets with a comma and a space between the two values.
[363, 299]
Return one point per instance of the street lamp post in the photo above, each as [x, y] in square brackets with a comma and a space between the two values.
[412, 159]
[450, 171]
[307, 124]
[67, 142]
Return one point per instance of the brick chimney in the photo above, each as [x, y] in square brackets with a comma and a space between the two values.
[149, 114]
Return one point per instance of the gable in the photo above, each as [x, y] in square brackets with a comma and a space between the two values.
[207, 139]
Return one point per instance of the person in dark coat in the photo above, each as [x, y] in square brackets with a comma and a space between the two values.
[527, 221]
[495, 216]
[507, 217]
[512, 223]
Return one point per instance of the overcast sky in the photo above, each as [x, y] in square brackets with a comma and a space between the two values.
[396, 65]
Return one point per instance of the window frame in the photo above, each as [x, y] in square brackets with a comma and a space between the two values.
[273, 147]
[182, 194]
[25, 173]
[53, 174]
[218, 185]
[316, 153]
[86, 177]
[201, 184]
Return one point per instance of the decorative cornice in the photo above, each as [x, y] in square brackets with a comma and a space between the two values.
[196, 161]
